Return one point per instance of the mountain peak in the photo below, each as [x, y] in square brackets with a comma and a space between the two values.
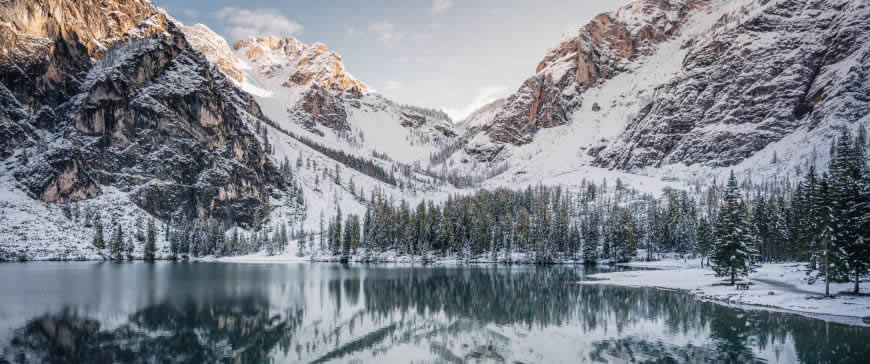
[301, 64]
[215, 48]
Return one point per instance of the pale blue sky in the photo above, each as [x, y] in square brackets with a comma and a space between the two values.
[447, 54]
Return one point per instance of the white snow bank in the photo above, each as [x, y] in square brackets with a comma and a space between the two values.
[783, 286]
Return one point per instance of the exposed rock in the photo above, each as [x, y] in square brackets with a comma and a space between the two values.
[320, 106]
[599, 51]
[751, 73]
[795, 64]
[412, 121]
[304, 65]
[215, 48]
[538, 104]
[150, 115]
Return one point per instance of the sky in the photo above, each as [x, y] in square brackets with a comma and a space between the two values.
[446, 54]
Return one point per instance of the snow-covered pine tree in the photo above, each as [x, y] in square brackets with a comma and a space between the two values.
[300, 251]
[98, 241]
[733, 249]
[847, 212]
[704, 242]
[624, 237]
[346, 239]
[336, 239]
[150, 241]
[591, 237]
[117, 243]
[574, 243]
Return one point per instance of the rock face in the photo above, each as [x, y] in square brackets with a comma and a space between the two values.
[597, 52]
[321, 83]
[794, 64]
[320, 106]
[99, 94]
[303, 65]
[215, 49]
[746, 74]
[310, 86]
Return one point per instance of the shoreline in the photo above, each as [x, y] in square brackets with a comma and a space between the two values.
[679, 276]
[791, 293]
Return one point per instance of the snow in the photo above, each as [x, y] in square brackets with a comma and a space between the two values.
[34, 230]
[790, 289]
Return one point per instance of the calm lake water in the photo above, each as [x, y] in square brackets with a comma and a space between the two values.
[324, 313]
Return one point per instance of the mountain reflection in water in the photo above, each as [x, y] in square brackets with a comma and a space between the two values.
[319, 313]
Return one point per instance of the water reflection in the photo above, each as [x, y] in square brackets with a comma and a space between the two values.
[329, 313]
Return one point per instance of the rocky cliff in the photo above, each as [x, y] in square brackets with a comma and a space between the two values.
[308, 90]
[99, 94]
[694, 83]
[785, 66]
[317, 75]
[598, 51]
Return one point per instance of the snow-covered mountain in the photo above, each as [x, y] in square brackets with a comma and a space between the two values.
[120, 108]
[688, 86]
[307, 90]
[107, 103]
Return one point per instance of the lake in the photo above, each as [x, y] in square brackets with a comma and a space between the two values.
[98, 312]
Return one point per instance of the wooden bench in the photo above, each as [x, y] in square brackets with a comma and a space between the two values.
[742, 286]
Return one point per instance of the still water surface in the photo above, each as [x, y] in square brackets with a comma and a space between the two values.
[324, 313]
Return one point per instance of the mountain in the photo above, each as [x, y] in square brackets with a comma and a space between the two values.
[306, 89]
[689, 85]
[116, 109]
[103, 95]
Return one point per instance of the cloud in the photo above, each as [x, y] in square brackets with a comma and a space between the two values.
[190, 13]
[440, 5]
[385, 32]
[349, 31]
[392, 85]
[245, 23]
[484, 96]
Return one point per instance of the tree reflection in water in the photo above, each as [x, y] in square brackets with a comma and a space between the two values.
[229, 331]
[441, 314]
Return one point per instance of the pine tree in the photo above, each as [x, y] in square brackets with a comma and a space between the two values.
[591, 237]
[98, 242]
[117, 243]
[321, 231]
[733, 250]
[624, 236]
[847, 211]
[335, 245]
[574, 242]
[301, 250]
[150, 241]
[705, 241]
[346, 241]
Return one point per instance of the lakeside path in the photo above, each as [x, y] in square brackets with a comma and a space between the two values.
[780, 286]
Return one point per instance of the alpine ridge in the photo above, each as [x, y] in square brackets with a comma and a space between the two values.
[676, 85]
[116, 106]
[97, 96]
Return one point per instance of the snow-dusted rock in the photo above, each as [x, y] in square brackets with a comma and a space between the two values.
[704, 84]
[118, 97]
[761, 75]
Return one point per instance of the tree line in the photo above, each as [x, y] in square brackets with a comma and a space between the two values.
[821, 219]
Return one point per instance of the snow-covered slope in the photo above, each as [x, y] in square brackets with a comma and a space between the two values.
[307, 90]
[135, 116]
[686, 88]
